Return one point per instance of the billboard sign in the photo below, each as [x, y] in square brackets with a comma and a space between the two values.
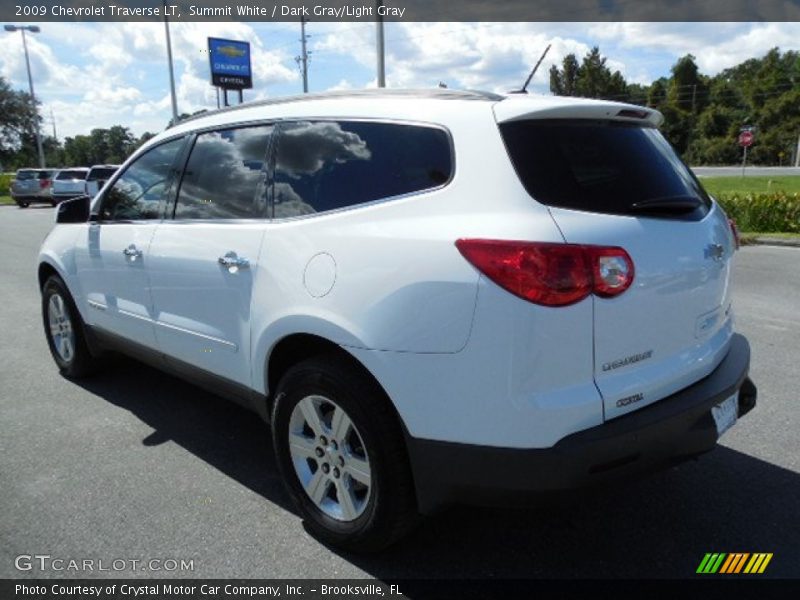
[230, 64]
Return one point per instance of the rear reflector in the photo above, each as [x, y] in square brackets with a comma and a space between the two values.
[550, 274]
[735, 232]
[43, 183]
[612, 270]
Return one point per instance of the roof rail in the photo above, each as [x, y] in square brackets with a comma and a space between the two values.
[432, 93]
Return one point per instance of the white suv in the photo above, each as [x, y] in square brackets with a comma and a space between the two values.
[433, 297]
[69, 183]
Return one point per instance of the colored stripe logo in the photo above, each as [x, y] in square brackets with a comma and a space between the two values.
[734, 563]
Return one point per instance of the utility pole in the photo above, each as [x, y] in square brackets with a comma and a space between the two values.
[797, 153]
[171, 72]
[53, 119]
[694, 95]
[380, 46]
[302, 60]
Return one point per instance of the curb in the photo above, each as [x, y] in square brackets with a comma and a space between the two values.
[771, 241]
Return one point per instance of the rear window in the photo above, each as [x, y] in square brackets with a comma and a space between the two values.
[25, 175]
[603, 167]
[104, 173]
[63, 175]
[45, 174]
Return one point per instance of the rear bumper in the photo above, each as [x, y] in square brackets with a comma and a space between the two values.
[62, 196]
[31, 197]
[671, 430]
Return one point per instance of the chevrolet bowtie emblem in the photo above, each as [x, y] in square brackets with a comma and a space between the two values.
[715, 251]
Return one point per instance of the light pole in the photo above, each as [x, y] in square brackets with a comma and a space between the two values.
[380, 49]
[171, 72]
[32, 29]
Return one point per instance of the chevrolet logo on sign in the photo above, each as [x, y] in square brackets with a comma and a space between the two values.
[230, 51]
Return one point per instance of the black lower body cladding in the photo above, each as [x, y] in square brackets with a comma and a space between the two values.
[671, 430]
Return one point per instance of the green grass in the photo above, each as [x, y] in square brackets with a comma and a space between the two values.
[6, 200]
[750, 185]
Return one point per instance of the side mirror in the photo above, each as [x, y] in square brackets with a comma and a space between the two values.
[75, 210]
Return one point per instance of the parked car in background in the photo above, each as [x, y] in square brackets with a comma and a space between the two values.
[32, 185]
[69, 183]
[97, 177]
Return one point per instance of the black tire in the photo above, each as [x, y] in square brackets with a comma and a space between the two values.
[389, 508]
[79, 362]
[23, 203]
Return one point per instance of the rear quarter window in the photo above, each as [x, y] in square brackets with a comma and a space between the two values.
[328, 165]
[603, 167]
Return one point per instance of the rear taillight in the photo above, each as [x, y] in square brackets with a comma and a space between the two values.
[551, 274]
[43, 183]
[734, 232]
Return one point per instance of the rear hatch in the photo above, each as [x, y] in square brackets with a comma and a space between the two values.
[70, 182]
[97, 178]
[25, 182]
[614, 181]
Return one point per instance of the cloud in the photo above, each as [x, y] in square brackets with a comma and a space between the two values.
[716, 46]
[98, 75]
[102, 74]
[495, 56]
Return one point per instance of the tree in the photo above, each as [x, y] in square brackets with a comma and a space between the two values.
[18, 120]
[78, 151]
[145, 137]
[687, 89]
[638, 94]
[563, 82]
[657, 94]
[589, 79]
[111, 146]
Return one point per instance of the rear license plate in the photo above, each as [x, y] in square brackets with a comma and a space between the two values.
[725, 413]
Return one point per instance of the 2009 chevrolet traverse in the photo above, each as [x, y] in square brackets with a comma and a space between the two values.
[433, 297]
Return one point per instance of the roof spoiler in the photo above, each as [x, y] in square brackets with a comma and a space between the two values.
[554, 107]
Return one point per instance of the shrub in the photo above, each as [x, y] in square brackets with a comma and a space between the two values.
[5, 183]
[773, 212]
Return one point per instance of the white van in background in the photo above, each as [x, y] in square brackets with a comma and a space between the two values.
[97, 177]
[69, 183]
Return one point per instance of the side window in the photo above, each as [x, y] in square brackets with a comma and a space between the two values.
[326, 165]
[223, 174]
[139, 191]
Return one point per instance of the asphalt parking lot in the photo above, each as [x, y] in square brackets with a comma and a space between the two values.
[134, 464]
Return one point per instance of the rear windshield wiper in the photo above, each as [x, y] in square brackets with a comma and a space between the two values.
[677, 204]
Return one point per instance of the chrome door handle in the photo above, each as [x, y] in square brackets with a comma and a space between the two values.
[232, 262]
[132, 252]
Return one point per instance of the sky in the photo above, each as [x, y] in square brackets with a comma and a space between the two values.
[102, 74]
